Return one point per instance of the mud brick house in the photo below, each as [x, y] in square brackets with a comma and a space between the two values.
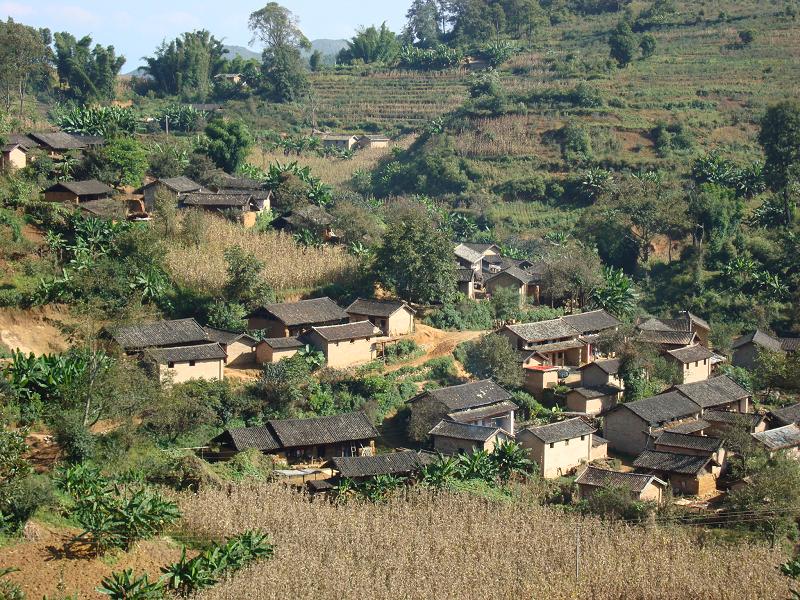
[77, 192]
[594, 400]
[602, 372]
[13, 156]
[312, 218]
[719, 421]
[392, 317]
[240, 348]
[182, 363]
[303, 440]
[553, 342]
[247, 206]
[57, 143]
[173, 186]
[526, 284]
[560, 447]
[478, 403]
[693, 361]
[687, 473]
[667, 340]
[685, 322]
[720, 393]
[294, 318]
[467, 280]
[698, 445]
[373, 141]
[645, 488]
[345, 345]
[786, 439]
[746, 347]
[452, 437]
[406, 463]
[341, 142]
[272, 350]
[786, 415]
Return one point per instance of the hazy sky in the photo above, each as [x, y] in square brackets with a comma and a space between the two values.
[136, 28]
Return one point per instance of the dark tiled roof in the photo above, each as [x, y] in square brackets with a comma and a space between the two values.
[598, 441]
[596, 391]
[57, 140]
[465, 252]
[690, 426]
[160, 333]
[314, 215]
[260, 438]
[559, 346]
[180, 185]
[105, 208]
[209, 199]
[563, 430]
[10, 146]
[694, 319]
[241, 183]
[653, 324]
[759, 338]
[469, 395]
[670, 462]
[306, 312]
[727, 417]
[465, 275]
[283, 343]
[595, 320]
[394, 463]
[228, 337]
[788, 414]
[787, 436]
[544, 330]
[514, 272]
[690, 442]
[347, 331]
[463, 431]
[677, 338]
[22, 140]
[609, 367]
[790, 344]
[713, 392]
[376, 308]
[293, 433]
[690, 354]
[662, 408]
[481, 247]
[90, 187]
[186, 353]
[635, 482]
[489, 410]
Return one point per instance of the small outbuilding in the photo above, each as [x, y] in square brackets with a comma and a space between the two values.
[452, 437]
[689, 474]
[13, 156]
[405, 463]
[272, 350]
[182, 363]
[239, 347]
[174, 186]
[642, 487]
[693, 361]
[289, 319]
[75, 192]
[786, 438]
[560, 447]
[595, 400]
[392, 317]
[345, 345]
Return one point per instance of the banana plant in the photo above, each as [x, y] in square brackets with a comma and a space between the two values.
[125, 585]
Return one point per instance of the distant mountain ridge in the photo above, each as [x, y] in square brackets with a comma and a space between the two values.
[328, 48]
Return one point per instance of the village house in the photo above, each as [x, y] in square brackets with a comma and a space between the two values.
[392, 317]
[688, 474]
[526, 284]
[719, 422]
[628, 426]
[182, 363]
[560, 447]
[786, 439]
[537, 378]
[685, 322]
[698, 445]
[693, 361]
[240, 348]
[467, 281]
[599, 450]
[746, 347]
[341, 142]
[228, 183]
[290, 319]
[370, 142]
[553, 342]
[592, 323]
[469, 258]
[667, 340]
[311, 218]
[303, 440]
[452, 437]
[132, 339]
[785, 416]
[246, 205]
[77, 192]
[643, 488]
[13, 156]
[720, 393]
[602, 372]
[405, 463]
[476, 403]
[172, 186]
[56, 144]
[345, 345]
[111, 209]
[272, 350]
[594, 400]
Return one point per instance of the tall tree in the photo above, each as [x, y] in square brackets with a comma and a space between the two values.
[425, 22]
[780, 138]
[282, 65]
[227, 143]
[624, 44]
[87, 74]
[24, 55]
[187, 65]
[371, 45]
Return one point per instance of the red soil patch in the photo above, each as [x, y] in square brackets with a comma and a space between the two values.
[49, 560]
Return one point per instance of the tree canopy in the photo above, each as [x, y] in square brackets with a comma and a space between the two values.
[87, 74]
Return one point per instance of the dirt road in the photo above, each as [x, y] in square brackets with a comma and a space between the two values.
[436, 343]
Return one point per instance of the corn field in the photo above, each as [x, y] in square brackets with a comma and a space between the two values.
[289, 266]
[464, 546]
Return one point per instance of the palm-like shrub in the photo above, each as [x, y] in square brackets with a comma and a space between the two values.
[96, 120]
[478, 465]
[125, 585]
[510, 458]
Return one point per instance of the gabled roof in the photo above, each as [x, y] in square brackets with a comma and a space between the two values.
[654, 324]
[466, 253]
[313, 214]
[559, 346]
[594, 320]
[479, 412]
[467, 395]
[790, 344]
[243, 438]
[91, 187]
[689, 427]
[661, 408]
[161, 333]
[563, 430]
[105, 208]
[180, 185]
[635, 482]
[305, 312]
[713, 392]
[337, 137]
[695, 320]
[8, 147]
[515, 273]
[609, 367]
[240, 183]
[759, 338]
[393, 463]
[482, 248]
[690, 354]
[676, 338]
[787, 436]
[787, 415]
[596, 391]
[464, 431]
[347, 331]
[293, 433]
[465, 275]
[689, 442]
[283, 343]
[57, 140]
[727, 417]
[228, 337]
[212, 199]
[377, 308]
[186, 353]
[671, 462]
[544, 330]
[21, 140]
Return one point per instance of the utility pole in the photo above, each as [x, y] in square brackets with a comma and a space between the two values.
[577, 552]
[166, 123]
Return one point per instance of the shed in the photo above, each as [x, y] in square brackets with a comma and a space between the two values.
[76, 192]
[345, 345]
[647, 488]
[405, 463]
[452, 437]
[293, 318]
[686, 473]
[392, 317]
[785, 438]
[13, 156]
[239, 347]
[602, 372]
[181, 363]
[272, 350]
[171, 185]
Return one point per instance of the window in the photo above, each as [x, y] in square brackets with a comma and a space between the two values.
[552, 445]
[583, 437]
[192, 363]
[705, 361]
[696, 363]
[352, 341]
[170, 365]
[566, 442]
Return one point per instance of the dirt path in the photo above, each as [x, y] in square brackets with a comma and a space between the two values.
[436, 343]
[34, 330]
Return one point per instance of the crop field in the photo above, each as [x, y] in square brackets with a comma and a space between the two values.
[465, 546]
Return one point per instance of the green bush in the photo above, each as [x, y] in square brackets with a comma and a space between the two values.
[465, 315]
